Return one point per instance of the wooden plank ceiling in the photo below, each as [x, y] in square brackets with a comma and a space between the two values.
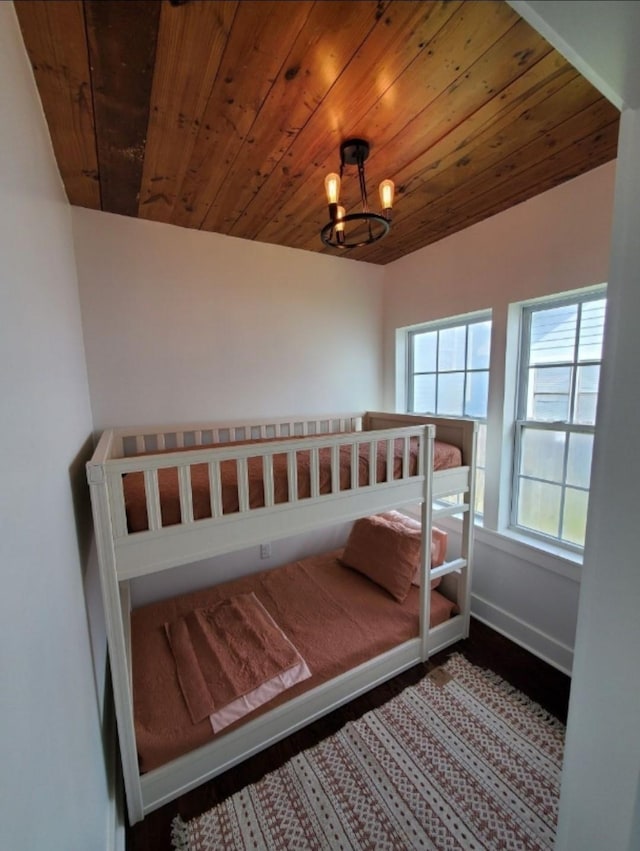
[226, 116]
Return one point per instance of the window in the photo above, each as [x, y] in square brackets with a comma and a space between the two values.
[560, 357]
[448, 375]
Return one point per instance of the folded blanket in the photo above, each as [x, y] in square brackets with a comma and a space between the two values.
[231, 658]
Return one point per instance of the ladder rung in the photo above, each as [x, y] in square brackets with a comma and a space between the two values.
[447, 511]
[454, 566]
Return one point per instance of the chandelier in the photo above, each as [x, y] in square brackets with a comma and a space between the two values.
[351, 230]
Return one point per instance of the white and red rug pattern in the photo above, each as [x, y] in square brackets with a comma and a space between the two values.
[459, 761]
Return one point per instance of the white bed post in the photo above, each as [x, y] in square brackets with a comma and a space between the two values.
[116, 639]
[468, 529]
[425, 551]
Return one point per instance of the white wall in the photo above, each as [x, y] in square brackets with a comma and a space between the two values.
[557, 241]
[600, 797]
[184, 326]
[606, 697]
[54, 787]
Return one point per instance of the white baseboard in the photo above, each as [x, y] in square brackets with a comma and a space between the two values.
[529, 637]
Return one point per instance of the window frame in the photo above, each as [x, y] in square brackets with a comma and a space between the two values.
[567, 427]
[442, 325]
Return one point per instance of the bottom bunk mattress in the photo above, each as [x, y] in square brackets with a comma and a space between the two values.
[334, 617]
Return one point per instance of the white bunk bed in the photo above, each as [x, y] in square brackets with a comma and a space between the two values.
[124, 555]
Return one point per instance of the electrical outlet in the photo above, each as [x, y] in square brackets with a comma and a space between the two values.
[265, 550]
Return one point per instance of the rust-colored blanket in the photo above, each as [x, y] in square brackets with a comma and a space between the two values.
[336, 618]
[226, 651]
[445, 456]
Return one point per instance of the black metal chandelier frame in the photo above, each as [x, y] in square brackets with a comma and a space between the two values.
[333, 234]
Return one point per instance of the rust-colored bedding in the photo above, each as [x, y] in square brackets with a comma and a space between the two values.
[335, 617]
[445, 456]
[227, 651]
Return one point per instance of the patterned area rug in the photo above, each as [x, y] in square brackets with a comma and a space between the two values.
[459, 761]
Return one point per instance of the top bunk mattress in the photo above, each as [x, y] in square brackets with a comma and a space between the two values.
[335, 617]
[446, 456]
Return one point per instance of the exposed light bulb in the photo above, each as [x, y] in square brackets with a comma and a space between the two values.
[332, 187]
[387, 189]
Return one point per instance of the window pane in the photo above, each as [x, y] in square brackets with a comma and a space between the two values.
[549, 394]
[451, 348]
[542, 454]
[450, 393]
[553, 334]
[579, 460]
[591, 330]
[561, 350]
[477, 390]
[539, 506]
[424, 351]
[588, 378]
[574, 522]
[479, 345]
[424, 393]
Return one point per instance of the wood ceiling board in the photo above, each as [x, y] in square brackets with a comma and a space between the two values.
[453, 152]
[191, 42]
[329, 39]
[54, 34]
[505, 156]
[491, 149]
[510, 184]
[444, 63]
[458, 178]
[249, 100]
[251, 62]
[122, 43]
[594, 150]
[315, 150]
[445, 130]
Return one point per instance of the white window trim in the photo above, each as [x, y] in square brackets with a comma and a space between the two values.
[409, 332]
[494, 529]
[512, 529]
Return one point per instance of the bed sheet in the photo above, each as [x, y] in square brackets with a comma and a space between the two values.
[335, 617]
[445, 456]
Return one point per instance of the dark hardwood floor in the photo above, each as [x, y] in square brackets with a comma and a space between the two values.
[484, 647]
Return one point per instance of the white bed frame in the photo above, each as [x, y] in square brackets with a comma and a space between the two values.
[123, 556]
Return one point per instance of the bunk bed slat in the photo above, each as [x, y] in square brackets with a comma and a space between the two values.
[292, 475]
[335, 468]
[390, 453]
[267, 478]
[405, 457]
[152, 495]
[373, 466]
[215, 488]
[186, 495]
[315, 473]
[243, 484]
